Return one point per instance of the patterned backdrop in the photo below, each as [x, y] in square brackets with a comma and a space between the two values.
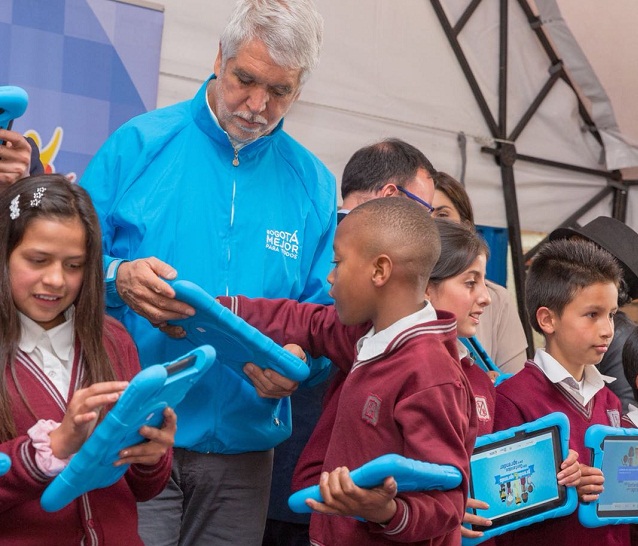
[87, 65]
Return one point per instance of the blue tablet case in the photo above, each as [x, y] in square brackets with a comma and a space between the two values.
[482, 359]
[535, 463]
[235, 341]
[13, 103]
[5, 463]
[615, 451]
[409, 474]
[142, 403]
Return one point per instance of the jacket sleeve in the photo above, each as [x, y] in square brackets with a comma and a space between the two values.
[105, 179]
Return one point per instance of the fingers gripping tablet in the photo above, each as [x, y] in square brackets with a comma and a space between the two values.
[235, 341]
[142, 403]
[409, 474]
[514, 472]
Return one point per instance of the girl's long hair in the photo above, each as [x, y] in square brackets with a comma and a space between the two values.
[60, 199]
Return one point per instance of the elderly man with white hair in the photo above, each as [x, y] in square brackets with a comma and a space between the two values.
[214, 190]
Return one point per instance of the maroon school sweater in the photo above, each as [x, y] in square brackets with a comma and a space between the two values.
[413, 400]
[530, 395]
[101, 517]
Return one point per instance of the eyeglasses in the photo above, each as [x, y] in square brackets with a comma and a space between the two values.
[416, 198]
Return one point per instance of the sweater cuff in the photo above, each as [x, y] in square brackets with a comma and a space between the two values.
[48, 463]
[397, 524]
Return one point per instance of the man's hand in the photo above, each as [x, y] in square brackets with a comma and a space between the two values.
[139, 283]
[15, 157]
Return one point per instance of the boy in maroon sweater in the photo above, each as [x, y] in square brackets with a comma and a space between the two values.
[404, 391]
[571, 294]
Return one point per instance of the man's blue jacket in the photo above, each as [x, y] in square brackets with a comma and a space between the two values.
[165, 185]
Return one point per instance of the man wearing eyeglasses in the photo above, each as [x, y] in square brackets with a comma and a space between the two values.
[388, 168]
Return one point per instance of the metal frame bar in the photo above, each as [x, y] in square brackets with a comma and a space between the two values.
[505, 152]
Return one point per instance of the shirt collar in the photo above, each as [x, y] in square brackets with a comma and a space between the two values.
[463, 352]
[632, 414]
[372, 344]
[60, 337]
[556, 373]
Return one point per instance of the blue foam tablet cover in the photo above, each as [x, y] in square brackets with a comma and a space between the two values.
[142, 403]
[235, 341]
[410, 475]
[514, 471]
[615, 452]
[13, 103]
[5, 463]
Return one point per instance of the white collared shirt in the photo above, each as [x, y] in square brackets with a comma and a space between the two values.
[373, 343]
[583, 391]
[463, 352]
[51, 350]
[632, 414]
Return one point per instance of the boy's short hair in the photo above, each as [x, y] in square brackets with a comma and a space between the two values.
[630, 360]
[563, 267]
[402, 229]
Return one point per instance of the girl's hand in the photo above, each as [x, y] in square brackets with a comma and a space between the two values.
[591, 483]
[341, 496]
[81, 416]
[570, 473]
[474, 519]
[160, 440]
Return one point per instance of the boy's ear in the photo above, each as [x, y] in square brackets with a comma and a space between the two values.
[382, 271]
[545, 318]
[428, 291]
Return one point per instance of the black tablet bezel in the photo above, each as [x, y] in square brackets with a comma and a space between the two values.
[604, 514]
[524, 513]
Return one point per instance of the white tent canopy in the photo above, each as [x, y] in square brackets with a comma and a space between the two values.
[387, 69]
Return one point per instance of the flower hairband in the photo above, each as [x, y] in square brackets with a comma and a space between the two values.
[14, 207]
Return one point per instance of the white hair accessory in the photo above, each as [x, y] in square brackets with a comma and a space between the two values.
[37, 197]
[14, 207]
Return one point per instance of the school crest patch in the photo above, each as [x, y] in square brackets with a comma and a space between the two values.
[371, 409]
[482, 410]
[614, 417]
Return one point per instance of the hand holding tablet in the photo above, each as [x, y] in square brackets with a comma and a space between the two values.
[236, 342]
[142, 403]
[409, 474]
[514, 472]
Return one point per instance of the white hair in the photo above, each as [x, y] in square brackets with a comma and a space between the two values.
[291, 30]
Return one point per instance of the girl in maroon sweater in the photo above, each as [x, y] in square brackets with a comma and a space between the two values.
[61, 366]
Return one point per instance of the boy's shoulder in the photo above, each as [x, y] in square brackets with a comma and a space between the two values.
[524, 380]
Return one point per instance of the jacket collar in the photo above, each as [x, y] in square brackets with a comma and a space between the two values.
[207, 123]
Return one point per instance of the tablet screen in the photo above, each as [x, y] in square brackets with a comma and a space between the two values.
[180, 365]
[517, 476]
[620, 468]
